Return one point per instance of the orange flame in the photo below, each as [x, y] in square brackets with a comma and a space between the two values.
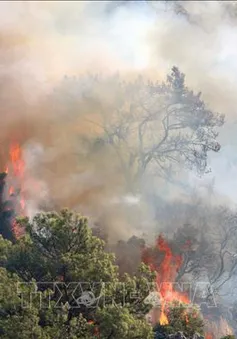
[163, 317]
[18, 169]
[96, 328]
[15, 170]
[16, 160]
[11, 190]
[166, 273]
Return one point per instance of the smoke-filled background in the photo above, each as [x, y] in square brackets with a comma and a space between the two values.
[61, 69]
[48, 47]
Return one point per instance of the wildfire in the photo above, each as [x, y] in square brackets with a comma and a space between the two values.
[18, 167]
[166, 273]
[16, 160]
[163, 318]
[15, 194]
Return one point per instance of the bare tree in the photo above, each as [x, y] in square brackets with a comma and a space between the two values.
[225, 243]
[210, 251]
[157, 128]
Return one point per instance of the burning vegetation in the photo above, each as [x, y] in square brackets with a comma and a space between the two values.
[60, 235]
[122, 149]
[166, 273]
[12, 200]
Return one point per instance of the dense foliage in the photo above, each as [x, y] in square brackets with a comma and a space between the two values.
[58, 281]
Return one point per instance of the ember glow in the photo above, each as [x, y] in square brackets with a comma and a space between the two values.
[166, 273]
[96, 328]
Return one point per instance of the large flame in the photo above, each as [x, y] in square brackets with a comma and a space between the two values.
[166, 273]
[18, 167]
[15, 177]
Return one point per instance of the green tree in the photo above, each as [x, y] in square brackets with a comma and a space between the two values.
[119, 323]
[78, 284]
[17, 320]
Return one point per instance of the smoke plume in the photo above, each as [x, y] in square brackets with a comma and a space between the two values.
[48, 115]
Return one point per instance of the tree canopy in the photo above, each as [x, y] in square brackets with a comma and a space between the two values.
[74, 286]
[58, 280]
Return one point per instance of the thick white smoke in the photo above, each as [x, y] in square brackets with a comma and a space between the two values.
[41, 42]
